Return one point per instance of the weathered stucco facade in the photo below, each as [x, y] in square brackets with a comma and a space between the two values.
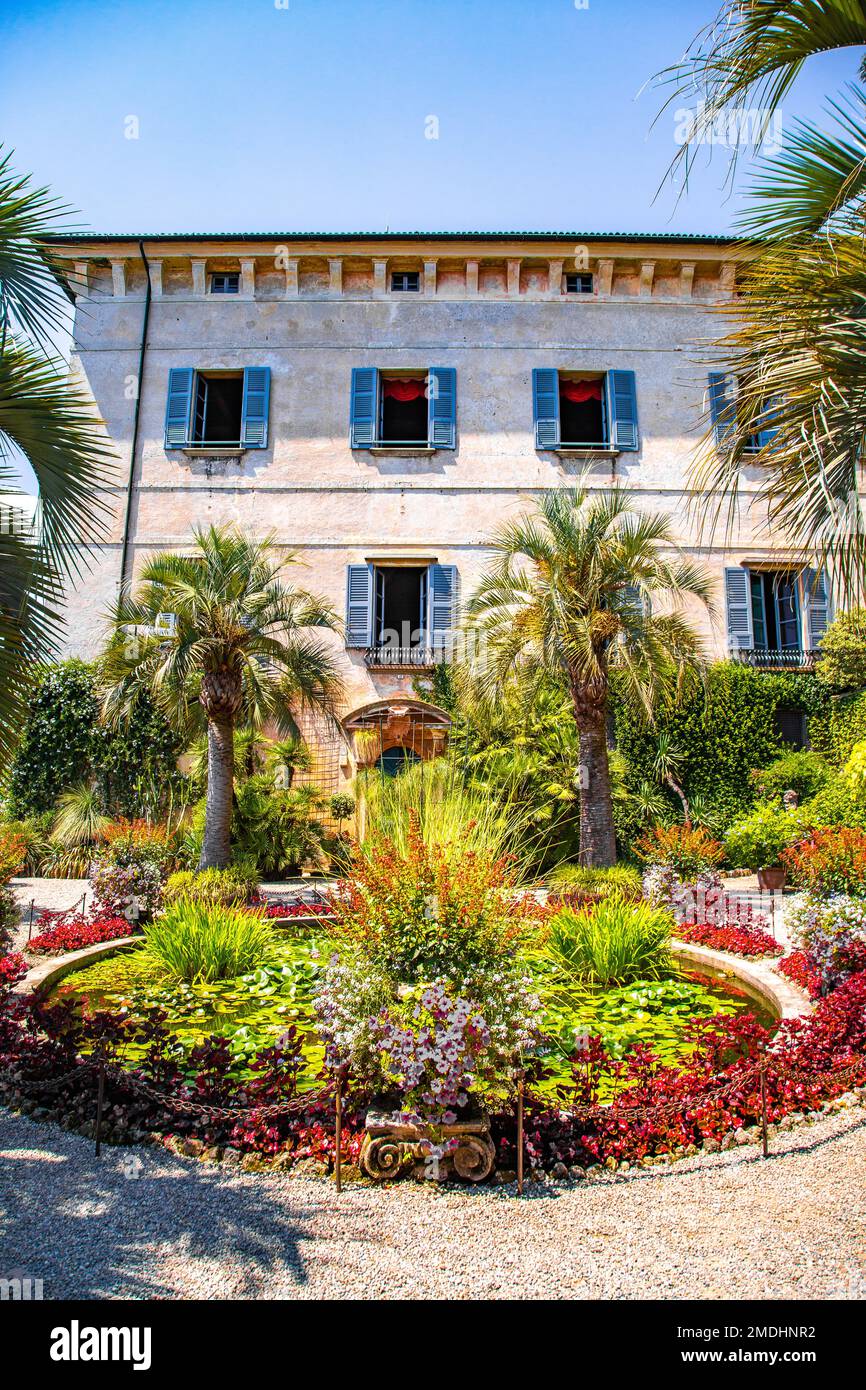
[312, 309]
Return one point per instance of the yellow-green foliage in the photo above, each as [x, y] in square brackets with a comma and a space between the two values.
[231, 887]
[601, 883]
[854, 774]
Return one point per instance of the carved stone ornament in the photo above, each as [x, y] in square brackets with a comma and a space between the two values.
[395, 1146]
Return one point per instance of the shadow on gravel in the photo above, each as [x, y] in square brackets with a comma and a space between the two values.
[94, 1230]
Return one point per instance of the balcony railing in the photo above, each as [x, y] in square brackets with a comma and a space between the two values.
[767, 659]
[386, 656]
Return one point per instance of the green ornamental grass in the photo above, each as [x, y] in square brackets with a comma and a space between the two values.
[202, 942]
[610, 943]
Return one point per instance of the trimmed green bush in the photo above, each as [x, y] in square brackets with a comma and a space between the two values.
[200, 942]
[802, 771]
[839, 725]
[842, 664]
[63, 743]
[757, 840]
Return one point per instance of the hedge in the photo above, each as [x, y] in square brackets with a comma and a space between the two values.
[836, 729]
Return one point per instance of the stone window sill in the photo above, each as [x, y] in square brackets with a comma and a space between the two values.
[586, 451]
[404, 450]
[223, 451]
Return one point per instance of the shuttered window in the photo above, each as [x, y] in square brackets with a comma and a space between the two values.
[370, 611]
[207, 410]
[776, 610]
[723, 414]
[374, 402]
[616, 426]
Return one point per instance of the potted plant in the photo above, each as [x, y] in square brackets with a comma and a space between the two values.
[757, 842]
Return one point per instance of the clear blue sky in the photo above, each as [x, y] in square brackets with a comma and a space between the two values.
[312, 117]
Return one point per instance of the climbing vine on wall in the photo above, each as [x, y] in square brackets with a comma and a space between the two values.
[64, 742]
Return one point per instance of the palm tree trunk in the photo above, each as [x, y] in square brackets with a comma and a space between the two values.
[597, 834]
[220, 787]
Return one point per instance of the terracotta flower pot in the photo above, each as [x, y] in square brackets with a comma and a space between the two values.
[771, 880]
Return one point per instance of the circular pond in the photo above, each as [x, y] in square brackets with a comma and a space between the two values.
[253, 1010]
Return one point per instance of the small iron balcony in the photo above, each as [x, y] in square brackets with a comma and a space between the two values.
[768, 659]
[396, 657]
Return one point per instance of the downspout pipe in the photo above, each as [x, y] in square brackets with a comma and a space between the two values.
[127, 520]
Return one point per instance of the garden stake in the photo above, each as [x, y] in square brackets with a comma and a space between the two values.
[764, 1107]
[100, 1098]
[520, 1137]
[30, 928]
[339, 1135]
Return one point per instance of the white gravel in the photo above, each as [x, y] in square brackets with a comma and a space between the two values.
[46, 895]
[719, 1226]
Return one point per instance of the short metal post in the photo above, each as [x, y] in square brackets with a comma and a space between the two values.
[520, 1137]
[338, 1136]
[100, 1101]
[30, 928]
[764, 1108]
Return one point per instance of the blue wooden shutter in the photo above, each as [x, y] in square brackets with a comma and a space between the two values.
[442, 588]
[442, 407]
[739, 607]
[364, 407]
[622, 410]
[759, 609]
[359, 606]
[768, 429]
[721, 407]
[545, 407]
[816, 591]
[254, 409]
[178, 407]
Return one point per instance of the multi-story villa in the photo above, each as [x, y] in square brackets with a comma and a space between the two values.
[380, 403]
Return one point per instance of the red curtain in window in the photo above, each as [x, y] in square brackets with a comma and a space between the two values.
[580, 390]
[404, 389]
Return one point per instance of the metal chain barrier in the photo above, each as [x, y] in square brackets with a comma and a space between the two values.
[681, 1108]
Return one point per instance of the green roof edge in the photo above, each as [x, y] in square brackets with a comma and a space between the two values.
[698, 237]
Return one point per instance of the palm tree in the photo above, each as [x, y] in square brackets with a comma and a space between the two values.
[219, 632]
[797, 351]
[569, 596]
[51, 424]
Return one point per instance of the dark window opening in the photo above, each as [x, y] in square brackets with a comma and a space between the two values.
[225, 282]
[405, 281]
[404, 411]
[581, 411]
[578, 284]
[217, 410]
[775, 610]
[394, 760]
[792, 727]
[401, 600]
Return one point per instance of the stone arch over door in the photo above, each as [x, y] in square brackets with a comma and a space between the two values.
[399, 722]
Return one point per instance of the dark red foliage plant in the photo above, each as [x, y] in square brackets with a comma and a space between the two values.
[749, 942]
[63, 932]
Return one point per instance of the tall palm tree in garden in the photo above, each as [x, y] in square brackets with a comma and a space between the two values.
[795, 358]
[570, 594]
[221, 633]
[51, 424]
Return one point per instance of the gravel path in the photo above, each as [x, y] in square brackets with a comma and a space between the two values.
[143, 1224]
[46, 894]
